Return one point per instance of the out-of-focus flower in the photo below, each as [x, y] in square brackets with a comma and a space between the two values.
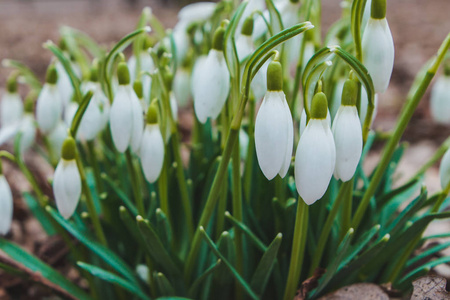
[11, 105]
[440, 99]
[444, 170]
[49, 105]
[6, 205]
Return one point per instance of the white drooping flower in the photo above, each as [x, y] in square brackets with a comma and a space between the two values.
[444, 170]
[182, 86]
[289, 12]
[152, 147]
[28, 131]
[347, 133]
[146, 65]
[303, 117]
[67, 180]
[378, 47]
[274, 129]
[6, 206]
[440, 100]
[63, 84]
[11, 106]
[56, 138]
[315, 158]
[244, 41]
[211, 82]
[126, 116]
[49, 103]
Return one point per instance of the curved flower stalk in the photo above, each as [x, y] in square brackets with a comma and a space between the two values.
[274, 130]
[67, 180]
[6, 205]
[189, 14]
[444, 170]
[181, 86]
[211, 81]
[96, 116]
[49, 105]
[347, 133]
[440, 99]
[315, 158]
[11, 105]
[378, 47]
[126, 118]
[152, 147]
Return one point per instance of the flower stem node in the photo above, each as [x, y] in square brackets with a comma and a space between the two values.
[319, 106]
[52, 75]
[152, 115]
[68, 151]
[349, 93]
[123, 74]
[274, 76]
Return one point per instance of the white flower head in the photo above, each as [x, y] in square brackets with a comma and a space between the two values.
[67, 180]
[316, 154]
[63, 84]
[49, 104]
[11, 106]
[126, 115]
[6, 206]
[56, 138]
[440, 100]
[152, 147]
[181, 86]
[274, 129]
[378, 47]
[347, 133]
[244, 41]
[28, 131]
[211, 82]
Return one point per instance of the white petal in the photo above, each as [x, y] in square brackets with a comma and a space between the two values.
[440, 100]
[56, 138]
[211, 85]
[64, 84]
[131, 63]
[244, 46]
[11, 109]
[347, 134]
[67, 187]
[314, 161]
[243, 143]
[259, 82]
[198, 71]
[271, 134]
[302, 124]
[121, 119]
[378, 52]
[138, 120]
[152, 152]
[290, 140]
[337, 96]
[6, 206]
[174, 106]
[444, 170]
[259, 26]
[196, 12]
[181, 86]
[48, 108]
[28, 132]
[7, 133]
[181, 40]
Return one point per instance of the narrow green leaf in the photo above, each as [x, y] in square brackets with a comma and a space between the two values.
[427, 253]
[113, 279]
[361, 244]
[265, 266]
[123, 196]
[163, 226]
[155, 247]
[76, 121]
[165, 288]
[26, 72]
[194, 287]
[233, 271]
[36, 265]
[39, 213]
[402, 191]
[242, 227]
[84, 40]
[429, 265]
[104, 253]
[131, 225]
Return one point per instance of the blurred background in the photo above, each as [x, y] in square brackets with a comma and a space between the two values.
[418, 28]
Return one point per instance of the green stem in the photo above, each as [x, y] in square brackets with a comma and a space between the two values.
[162, 189]
[347, 208]
[137, 192]
[405, 117]
[298, 249]
[90, 203]
[96, 168]
[248, 169]
[237, 212]
[327, 227]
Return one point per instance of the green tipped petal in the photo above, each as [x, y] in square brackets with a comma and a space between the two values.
[68, 149]
[319, 106]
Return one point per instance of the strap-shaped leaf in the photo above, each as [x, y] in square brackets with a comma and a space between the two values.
[265, 266]
[361, 244]
[113, 279]
[155, 247]
[242, 227]
[104, 253]
[39, 213]
[123, 196]
[76, 121]
[26, 72]
[36, 265]
[164, 285]
[233, 271]
[194, 287]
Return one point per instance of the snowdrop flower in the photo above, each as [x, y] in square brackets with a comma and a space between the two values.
[440, 99]
[289, 12]
[378, 47]
[316, 154]
[126, 117]
[49, 105]
[96, 115]
[444, 170]
[244, 42]
[303, 117]
[274, 130]
[67, 180]
[181, 86]
[211, 81]
[11, 104]
[6, 205]
[69, 113]
[63, 84]
[146, 65]
[347, 133]
[56, 138]
[152, 147]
